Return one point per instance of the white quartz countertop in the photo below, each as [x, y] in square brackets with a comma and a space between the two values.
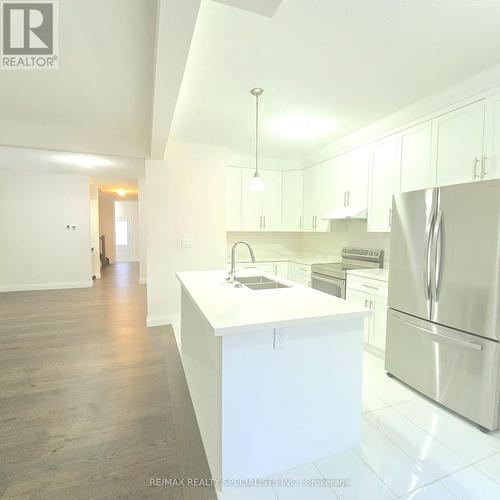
[375, 274]
[233, 310]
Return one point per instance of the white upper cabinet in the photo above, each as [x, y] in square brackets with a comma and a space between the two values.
[352, 172]
[458, 144]
[233, 199]
[271, 200]
[261, 211]
[251, 204]
[415, 164]
[317, 194]
[490, 161]
[292, 200]
[383, 183]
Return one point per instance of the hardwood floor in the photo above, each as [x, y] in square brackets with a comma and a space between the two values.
[92, 403]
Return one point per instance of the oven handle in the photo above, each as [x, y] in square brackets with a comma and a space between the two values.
[333, 281]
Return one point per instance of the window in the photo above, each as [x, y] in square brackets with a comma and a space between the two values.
[121, 232]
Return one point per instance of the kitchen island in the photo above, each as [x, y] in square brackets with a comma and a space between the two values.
[274, 372]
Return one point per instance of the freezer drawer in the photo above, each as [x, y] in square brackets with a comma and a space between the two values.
[458, 370]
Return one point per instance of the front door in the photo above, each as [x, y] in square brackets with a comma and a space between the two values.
[123, 239]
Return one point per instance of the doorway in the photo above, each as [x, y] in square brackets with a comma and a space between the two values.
[126, 231]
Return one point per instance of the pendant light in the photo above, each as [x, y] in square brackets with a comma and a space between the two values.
[256, 183]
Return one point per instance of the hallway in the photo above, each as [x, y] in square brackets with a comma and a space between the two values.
[92, 403]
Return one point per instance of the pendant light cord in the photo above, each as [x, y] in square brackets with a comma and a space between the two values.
[256, 134]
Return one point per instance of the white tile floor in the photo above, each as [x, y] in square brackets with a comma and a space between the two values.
[410, 448]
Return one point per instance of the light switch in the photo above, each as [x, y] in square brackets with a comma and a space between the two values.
[187, 243]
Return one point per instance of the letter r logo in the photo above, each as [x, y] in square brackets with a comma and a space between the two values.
[28, 28]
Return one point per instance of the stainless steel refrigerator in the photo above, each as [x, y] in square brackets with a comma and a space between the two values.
[443, 326]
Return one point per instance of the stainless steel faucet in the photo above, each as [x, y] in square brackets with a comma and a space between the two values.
[232, 272]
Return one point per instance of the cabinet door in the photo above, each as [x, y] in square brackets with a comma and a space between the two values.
[292, 200]
[322, 194]
[490, 162]
[251, 204]
[281, 269]
[355, 165]
[361, 300]
[415, 158]
[384, 179]
[379, 323]
[458, 144]
[271, 200]
[233, 199]
[309, 189]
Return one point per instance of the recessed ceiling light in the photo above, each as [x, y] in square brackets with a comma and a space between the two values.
[302, 127]
[121, 192]
[84, 161]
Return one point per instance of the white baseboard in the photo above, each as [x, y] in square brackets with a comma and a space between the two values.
[98, 276]
[26, 287]
[162, 320]
[142, 281]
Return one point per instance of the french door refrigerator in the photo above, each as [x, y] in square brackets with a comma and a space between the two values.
[443, 325]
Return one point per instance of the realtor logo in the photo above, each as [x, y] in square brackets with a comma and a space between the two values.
[29, 35]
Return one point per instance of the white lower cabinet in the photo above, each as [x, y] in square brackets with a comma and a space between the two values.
[281, 269]
[300, 273]
[372, 294]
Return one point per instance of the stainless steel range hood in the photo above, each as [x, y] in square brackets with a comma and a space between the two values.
[346, 213]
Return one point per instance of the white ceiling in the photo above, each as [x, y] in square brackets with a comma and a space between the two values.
[336, 65]
[99, 166]
[100, 98]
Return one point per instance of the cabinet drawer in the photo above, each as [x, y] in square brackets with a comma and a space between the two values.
[299, 273]
[370, 286]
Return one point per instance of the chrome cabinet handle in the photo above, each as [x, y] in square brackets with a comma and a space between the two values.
[366, 302]
[464, 343]
[348, 198]
[260, 222]
[264, 218]
[300, 221]
[483, 166]
[476, 163]
[390, 217]
[344, 199]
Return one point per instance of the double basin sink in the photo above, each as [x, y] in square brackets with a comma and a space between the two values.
[260, 283]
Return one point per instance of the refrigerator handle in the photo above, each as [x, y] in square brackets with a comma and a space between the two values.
[439, 253]
[427, 271]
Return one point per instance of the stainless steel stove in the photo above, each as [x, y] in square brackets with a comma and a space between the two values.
[331, 277]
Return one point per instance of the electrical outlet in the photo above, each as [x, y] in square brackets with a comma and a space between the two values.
[278, 339]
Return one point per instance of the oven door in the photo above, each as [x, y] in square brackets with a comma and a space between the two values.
[327, 284]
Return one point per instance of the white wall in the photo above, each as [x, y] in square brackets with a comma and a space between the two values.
[94, 231]
[37, 252]
[129, 210]
[185, 201]
[142, 201]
